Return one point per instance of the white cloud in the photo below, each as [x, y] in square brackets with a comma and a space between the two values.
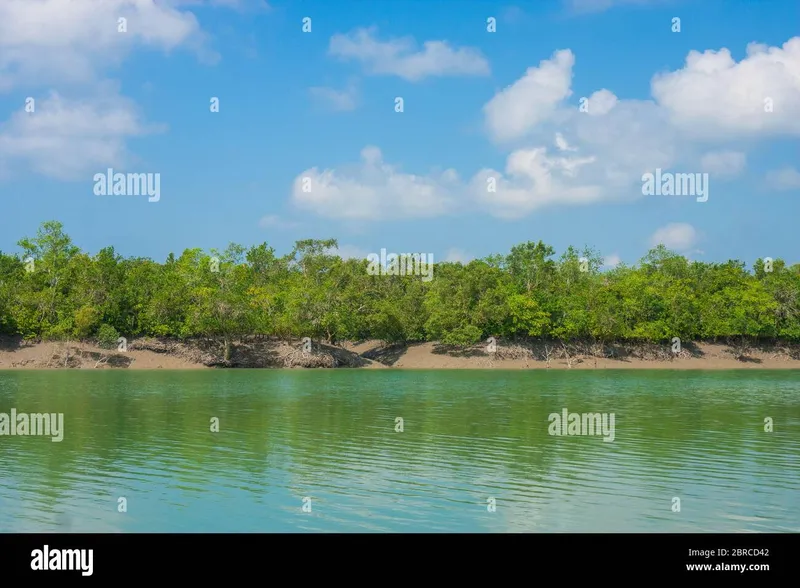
[622, 139]
[374, 190]
[46, 41]
[401, 57]
[676, 236]
[601, 154]
[601, 102]
[70, 44]
[71, 140]
[338, 100]
[533, 180]
[787, 178]
[713, 96]
[726, 164]
[562, 144]
[612, 260]
[532, 99]
[629, 139]
[458, 255]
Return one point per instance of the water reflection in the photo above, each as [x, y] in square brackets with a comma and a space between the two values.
[468, 437]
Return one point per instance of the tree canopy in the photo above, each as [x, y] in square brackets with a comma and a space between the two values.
[53, 290]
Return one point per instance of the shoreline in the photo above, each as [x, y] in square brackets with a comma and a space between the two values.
[256, 353]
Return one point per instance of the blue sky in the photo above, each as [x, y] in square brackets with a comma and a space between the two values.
[478, 107]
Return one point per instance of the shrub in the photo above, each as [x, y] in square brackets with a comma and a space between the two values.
[107, 337]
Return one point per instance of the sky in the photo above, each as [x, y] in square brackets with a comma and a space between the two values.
[457, 129]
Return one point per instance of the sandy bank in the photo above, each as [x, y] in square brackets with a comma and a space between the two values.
[269, 353]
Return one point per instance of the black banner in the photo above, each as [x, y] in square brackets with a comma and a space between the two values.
[209, 557]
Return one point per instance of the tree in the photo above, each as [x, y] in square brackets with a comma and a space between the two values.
[219, 303]
[44, 290]
[529, 264]
[52, 290]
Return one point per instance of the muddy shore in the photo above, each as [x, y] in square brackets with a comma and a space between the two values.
[272, 353]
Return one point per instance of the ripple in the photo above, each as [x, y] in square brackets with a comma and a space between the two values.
[467, 439]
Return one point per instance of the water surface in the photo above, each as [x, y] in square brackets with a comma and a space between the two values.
[470, 440]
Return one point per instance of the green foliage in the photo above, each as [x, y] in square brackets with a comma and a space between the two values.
[313, 293]
[462, 336]
[107, 337]
[526, 317]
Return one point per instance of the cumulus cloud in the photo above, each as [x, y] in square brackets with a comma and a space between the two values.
[600, 102]
[724, 164]
[677, 236]
[613, 152]
[532, 180]
[50, 41]
[401, 57]
[374, 190]
[629, 139]
[620, 139]
[72, 139]
[71, 44]
[787, 178]
[532, 99]
[605, 144]
[713, 96]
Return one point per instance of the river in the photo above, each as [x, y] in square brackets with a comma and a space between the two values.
[403, 451]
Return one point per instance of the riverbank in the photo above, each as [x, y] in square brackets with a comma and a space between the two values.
[272, 353]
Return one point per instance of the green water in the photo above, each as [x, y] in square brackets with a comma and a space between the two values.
[468, 437]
